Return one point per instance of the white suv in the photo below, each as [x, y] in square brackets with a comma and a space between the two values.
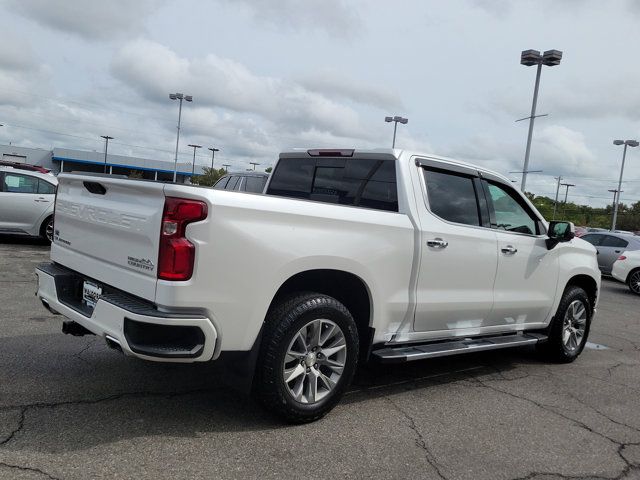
[27, 197]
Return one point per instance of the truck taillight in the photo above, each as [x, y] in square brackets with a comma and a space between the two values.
[177, 254]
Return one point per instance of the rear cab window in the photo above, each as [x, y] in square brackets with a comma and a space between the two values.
[359, 182]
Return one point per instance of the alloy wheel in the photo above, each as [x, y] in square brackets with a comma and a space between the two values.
[314, 361]
[574, 325]
[634, 282]
[49, 230]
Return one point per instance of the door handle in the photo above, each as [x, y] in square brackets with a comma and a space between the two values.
[509, 250]
[437, 243]
[617, 251]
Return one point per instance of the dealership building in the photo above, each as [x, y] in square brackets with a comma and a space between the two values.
[69, 160]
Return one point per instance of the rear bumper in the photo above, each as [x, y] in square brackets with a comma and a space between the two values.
[137, 326]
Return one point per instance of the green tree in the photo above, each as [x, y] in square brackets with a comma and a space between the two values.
[209, 177]
[270, 169]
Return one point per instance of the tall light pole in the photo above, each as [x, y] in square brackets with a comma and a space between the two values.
[530, 58]
[566, 194]
[193, 165]
[106, 147]
[555, 205]
[396, 120]
[213, 154]
[615, 195]
[626, 143]
[254, 165]
[180, 97]
[226, 167]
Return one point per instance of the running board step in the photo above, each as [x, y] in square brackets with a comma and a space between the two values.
[407, 353]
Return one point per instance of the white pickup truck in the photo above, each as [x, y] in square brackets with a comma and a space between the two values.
[347, 256]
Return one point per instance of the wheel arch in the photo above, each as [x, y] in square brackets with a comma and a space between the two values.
[346, 287]
[588, 284]
[631, 272]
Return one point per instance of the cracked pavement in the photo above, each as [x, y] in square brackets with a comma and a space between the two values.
[71, 408]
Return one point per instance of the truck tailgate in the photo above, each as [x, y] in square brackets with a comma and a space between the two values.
[108, 229]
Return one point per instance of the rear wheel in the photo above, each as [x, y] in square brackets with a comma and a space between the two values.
[570, 327]
[308, 357]
[46, 229]
[633, 281]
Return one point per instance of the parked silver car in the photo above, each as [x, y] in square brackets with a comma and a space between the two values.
[610, 245]
[27, 195]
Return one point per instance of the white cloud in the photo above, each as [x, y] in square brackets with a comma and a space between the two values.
[336, 17]
[154, 71]
[337, 84]
[96, 20]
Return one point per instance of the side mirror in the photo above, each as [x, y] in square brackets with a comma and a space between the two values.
[560, 232]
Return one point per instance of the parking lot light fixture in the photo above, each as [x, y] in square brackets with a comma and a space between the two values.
[254, 164]
[106, 147]
[213, 154]
[226, 167]
[179, 97]
[397, 119]
[566, 194]
[529, 58]
[626, 143]
[193, 165]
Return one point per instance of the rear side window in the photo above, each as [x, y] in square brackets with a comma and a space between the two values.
[452, 197]
[610, 241]
[255, 184]
[45, 188]
[357, 182]
[17, 183]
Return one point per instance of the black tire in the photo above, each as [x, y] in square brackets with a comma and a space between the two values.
[555, 349]
[46, 229]
[632, 279]
[283, 322]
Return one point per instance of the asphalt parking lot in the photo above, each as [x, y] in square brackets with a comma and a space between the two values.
[71, 408]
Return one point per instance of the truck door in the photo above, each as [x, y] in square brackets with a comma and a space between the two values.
[527, 275]
[459, 252]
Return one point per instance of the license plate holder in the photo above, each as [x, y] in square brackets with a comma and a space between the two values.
[91, 292]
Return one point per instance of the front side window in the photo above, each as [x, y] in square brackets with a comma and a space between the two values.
[233, 181]
[357, 182]
[17, 183]
[452, 197]
[220, 184]
[510, 214]
[595, 240]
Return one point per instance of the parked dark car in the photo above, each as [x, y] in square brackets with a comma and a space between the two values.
[610, 245]
[253, 182]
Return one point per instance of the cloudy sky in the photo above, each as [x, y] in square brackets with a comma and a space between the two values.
[269, 75]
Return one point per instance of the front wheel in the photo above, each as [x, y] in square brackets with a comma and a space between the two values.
[634, 281]
[570, 327]
[308, 357]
